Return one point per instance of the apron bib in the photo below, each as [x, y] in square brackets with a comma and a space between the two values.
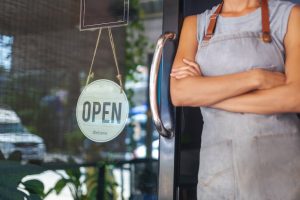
[246, 156]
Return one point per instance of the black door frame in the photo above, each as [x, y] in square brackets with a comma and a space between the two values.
[168, 169]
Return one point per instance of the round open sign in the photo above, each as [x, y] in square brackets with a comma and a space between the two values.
[102, 110]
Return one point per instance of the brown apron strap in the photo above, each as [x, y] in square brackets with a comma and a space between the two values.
[212, 22]
[266, 37]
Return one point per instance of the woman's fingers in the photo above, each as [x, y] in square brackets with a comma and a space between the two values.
[193, 64]
[186, 68]
[182, 74]
[190, 69]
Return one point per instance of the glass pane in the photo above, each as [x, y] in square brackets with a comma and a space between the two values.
[44, 62]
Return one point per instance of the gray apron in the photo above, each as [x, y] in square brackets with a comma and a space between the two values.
[246, 156]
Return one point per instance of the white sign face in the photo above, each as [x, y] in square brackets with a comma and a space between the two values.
[102, 110]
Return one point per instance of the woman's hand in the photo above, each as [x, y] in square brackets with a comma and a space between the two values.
[269, 79]
[190, 68]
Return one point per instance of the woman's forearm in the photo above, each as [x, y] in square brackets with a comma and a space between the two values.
[282, 99]
[204, 91]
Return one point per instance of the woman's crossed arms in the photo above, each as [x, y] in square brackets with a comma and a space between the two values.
[255, 91]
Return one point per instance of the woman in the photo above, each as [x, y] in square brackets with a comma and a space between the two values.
[240, 63]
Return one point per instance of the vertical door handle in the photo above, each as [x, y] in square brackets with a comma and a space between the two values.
[153, 83]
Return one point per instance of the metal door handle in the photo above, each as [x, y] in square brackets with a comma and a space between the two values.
[153, 83]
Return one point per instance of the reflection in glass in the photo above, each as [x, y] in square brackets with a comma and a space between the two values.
[11, 128]
[6, 43]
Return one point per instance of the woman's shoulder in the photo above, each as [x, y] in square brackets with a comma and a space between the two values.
[206, 14]
[279, 16]
[201, 15]
[280, 7]
[280, 3]
[195, 22]
[202, 20]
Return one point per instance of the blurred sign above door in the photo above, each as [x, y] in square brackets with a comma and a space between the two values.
[95, 14]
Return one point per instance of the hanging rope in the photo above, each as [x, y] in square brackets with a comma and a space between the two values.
[111, 39]
[91, 74]
[119, 76]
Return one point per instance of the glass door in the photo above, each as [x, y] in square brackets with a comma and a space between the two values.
[180, 128]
